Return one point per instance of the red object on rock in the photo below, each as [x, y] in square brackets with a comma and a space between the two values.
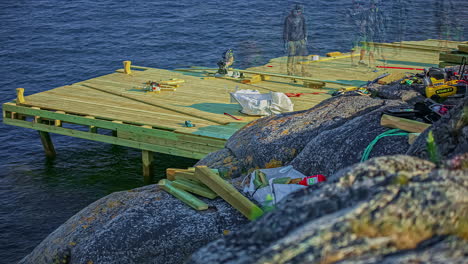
[311, 180]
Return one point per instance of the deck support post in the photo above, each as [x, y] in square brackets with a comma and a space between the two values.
[147, 158]
[47, 143]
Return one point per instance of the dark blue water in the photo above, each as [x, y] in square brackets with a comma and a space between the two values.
[46, 44]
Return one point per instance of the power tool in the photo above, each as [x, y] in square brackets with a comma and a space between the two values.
[443, 83]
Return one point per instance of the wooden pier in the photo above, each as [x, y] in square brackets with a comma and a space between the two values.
[113, 108]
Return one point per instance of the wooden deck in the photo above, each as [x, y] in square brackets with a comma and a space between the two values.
[155, 122]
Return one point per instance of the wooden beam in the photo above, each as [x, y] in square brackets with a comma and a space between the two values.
[182, 195]
[147, 162]
[403, 124]
[58, 122]
[93, 129]
[195, 188]
[163, 132]
[452, 57]
[463, 48]
[228, 192]
[272, 74]
[114, 132]
[47, 144]
[160, 105]
[194, 154]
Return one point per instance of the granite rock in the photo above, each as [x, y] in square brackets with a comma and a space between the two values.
[144, 225]
[388, 208]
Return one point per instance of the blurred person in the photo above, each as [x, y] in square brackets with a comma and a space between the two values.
[356, 15]
[295, 40]
[376, 30]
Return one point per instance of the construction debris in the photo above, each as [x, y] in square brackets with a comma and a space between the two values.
[194, 187]
[182, 195]
[228, 193]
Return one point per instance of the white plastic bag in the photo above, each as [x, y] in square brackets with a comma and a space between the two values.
[277, 191]
[255, 103]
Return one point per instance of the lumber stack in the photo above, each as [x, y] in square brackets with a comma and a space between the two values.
[202, 181]
[453, 58]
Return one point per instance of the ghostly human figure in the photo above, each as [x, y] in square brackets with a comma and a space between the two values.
[376, 29]
[295, 40]
[449, 21]
[356, 17]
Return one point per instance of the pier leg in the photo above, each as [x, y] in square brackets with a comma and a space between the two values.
[47, 143]
[147, 157]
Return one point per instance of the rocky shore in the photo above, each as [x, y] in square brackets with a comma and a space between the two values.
[396, 207]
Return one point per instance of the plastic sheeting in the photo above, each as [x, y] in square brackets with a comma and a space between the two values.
[255, 103]
[277, 191]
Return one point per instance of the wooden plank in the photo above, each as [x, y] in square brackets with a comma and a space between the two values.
[106, 112]
[279, 75]
[406, 46]
[106, 139]
[392, 77]
[463, 48]
[162, 133]
[403, 124]
[147, 164]
[228, 192]
[452, 57]
[186, 175]
[195, 188]
[47, 144]
[169, 143]
[126, 105]
[182, 195]
[170, 173]
[161, 105]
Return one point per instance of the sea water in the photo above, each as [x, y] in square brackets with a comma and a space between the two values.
[45, 44]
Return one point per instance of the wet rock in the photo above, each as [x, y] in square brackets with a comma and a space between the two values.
[145, 225]
[323, 139]
[388, 208]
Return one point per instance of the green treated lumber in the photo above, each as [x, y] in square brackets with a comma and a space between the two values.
[444, 64]
[106, 139]
[452, 57]
[195, 188]
[182, 175]
[228, 192]
[272, 74]
[107, 124]
[163, 106]
[26, 107]
[48, 144]
[147, 163]
[463, 48]
[159, 132]
[403, 124]
[407, 46]
[182, 195]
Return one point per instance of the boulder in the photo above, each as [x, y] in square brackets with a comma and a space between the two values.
[396, 91]
[323, 139]
[390, 208]
[450, 134]
[144, 225]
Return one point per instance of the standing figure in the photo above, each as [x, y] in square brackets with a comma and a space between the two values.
[376, 30]
[295, 40]
[356, 15]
